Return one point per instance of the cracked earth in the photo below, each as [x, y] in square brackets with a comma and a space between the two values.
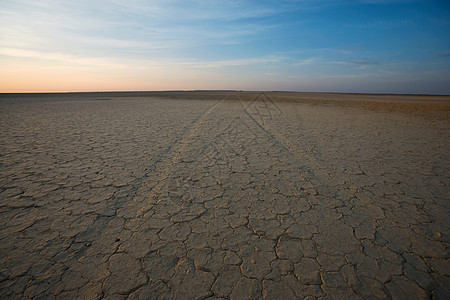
[147, 197]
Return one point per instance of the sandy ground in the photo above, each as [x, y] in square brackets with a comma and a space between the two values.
[233, 195]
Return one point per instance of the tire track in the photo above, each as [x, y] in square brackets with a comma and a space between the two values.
[180, 142]
[317, 173]
[164, 163]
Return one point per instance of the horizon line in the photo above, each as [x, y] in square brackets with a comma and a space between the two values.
[219, 90]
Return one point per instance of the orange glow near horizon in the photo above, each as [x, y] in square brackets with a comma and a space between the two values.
[23, 78]
[38, 75]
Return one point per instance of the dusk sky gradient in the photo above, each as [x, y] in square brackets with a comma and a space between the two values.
[371, 46]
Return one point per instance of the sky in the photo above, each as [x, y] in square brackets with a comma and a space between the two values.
[362, 46]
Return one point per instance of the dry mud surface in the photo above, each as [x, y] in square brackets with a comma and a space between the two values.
[224, 195]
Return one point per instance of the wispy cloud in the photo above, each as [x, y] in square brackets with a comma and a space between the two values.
[232, 62]
[387, 1]
[319, 60]
[136, 63]
[62, 58]
[132, 29]
[308, 61]
[359, 62]
[382, 24]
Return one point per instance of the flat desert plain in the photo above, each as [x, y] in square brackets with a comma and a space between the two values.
[193, 195]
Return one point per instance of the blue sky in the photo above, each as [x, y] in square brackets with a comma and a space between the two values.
[378, 46]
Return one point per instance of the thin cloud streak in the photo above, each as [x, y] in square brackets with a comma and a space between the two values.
[359, 62]
[231, 63]
[135, 63]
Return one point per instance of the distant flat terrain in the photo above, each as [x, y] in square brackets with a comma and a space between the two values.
[224, 194]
